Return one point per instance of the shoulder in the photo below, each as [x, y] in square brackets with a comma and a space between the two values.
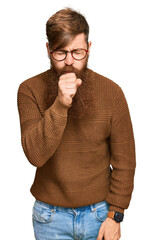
[105, 84]
[36, 82]
[103, 79]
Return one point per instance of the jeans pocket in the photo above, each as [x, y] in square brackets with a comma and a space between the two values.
[101, 211]
[41, 212]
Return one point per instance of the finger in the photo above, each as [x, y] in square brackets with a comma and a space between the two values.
[78, 82]
[68, 75]
[65, 85]
[68, 80]
[100, 235]
[71, 93]
[70, 86]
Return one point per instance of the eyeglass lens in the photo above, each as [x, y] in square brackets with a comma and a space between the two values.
[77, 54]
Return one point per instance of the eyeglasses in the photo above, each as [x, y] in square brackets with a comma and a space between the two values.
[78, 54]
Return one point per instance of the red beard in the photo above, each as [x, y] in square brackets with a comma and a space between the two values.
[83, 101]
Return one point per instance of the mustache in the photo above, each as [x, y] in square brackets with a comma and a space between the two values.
[68, 69]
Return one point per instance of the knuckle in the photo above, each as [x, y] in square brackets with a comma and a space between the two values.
[73, 74]
[73, 91]
[63, 91]
[60, 84]
[61, 78]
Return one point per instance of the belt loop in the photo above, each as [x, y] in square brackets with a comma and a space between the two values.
[55, 208]
[92, 207]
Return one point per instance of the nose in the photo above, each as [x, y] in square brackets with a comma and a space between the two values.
[69, 60]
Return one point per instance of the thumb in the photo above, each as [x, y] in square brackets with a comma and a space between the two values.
[101, 233]
[79, 82]
[100, 236]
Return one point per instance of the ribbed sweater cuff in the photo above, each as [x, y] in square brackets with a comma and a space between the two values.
[116, 209]
[59, 108]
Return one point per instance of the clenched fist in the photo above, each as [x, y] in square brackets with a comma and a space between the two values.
[67, 88]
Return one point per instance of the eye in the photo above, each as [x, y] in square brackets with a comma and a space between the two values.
[59, 52]
[78, 51]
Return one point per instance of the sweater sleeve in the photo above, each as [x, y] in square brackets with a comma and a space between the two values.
[40, 135]
[122, 148]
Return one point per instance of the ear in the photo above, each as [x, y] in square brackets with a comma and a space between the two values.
[89, 46]
[48, 49]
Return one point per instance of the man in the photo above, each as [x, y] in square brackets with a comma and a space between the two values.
[76, 129]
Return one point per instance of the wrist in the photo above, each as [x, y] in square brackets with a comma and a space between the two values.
[116, 216]
[59, 108]
[116, 209]
[64, 104]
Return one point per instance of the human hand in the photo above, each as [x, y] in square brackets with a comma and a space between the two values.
[67, 88]
[109, 230]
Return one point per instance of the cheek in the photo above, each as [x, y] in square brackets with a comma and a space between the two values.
[59, 65]
[78, 64]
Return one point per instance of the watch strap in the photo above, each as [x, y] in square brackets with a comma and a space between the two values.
[111, 214]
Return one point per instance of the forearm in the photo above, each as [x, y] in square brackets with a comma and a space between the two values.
[41, 139]
[120, 190]
[122, 156]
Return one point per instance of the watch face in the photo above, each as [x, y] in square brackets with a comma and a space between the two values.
[118, 217]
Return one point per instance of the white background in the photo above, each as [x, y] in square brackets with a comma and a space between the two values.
[122, 50]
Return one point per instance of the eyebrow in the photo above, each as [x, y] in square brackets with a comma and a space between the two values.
[60, 49]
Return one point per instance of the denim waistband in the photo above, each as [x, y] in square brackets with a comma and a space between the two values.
[91, 207]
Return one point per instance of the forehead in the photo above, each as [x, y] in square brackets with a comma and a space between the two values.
[77, 42]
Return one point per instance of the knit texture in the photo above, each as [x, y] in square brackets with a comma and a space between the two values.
[79, 162]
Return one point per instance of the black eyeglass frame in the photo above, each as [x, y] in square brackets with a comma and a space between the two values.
[66, 52]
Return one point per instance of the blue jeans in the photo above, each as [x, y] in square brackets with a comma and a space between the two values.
[82, 223]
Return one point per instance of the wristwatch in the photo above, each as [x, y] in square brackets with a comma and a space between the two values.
[117, 216]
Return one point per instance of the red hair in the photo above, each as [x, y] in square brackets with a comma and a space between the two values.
[63, 26]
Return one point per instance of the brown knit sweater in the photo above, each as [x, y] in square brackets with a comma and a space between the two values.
[73, 157]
